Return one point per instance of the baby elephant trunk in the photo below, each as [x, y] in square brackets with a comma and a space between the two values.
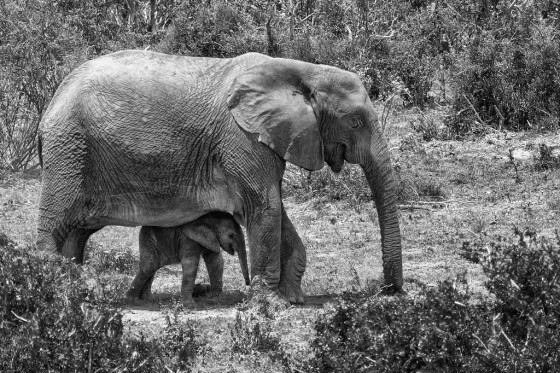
[242, 254]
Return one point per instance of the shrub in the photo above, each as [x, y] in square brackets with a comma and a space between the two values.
[42, 42]
[506, 76]
[430, 127]
[445, 328]
[253, 327]
[52, 318]
[253, 332]
[523, 276]
[205, 30]
[433, 332]
[104, 259]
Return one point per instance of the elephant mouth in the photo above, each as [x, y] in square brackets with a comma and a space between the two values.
[334, 156]
[229, 249]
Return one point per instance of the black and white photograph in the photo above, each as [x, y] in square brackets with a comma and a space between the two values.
[284, 186]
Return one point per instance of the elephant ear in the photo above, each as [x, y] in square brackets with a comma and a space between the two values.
[203, 235]
[271, 99]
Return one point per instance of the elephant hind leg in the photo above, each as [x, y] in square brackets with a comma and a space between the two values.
[141, 287]
[190, 268]
[75, 244]
[66, 206]
[146, 291]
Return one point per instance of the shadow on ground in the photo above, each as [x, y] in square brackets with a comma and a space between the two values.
[160, 301]
[318, 301]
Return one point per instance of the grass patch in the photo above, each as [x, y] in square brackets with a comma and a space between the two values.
[121, 259]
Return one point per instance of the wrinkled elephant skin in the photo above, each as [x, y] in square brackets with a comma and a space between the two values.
[141, 138]
[186, 244]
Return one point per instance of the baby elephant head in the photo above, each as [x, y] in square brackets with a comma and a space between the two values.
[219, 229]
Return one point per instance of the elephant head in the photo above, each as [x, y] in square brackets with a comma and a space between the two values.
[311, 114]
[219, 229]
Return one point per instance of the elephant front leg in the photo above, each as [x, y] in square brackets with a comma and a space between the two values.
[75, 244]
[190, 268]
[264, 240]
[215, 266]
[293, 261]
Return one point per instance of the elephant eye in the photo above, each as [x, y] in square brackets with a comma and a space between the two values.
[355, 123]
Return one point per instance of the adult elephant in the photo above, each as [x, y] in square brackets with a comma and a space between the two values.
[142, 138]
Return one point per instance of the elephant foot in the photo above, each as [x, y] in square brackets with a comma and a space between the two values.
[201, 290]
[133, 294]
[214, 293]
[292, 291]
[205, 291]
[145, 295]
[188, 302]
[265, 298]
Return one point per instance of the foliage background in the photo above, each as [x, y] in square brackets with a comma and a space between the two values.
[490, 63]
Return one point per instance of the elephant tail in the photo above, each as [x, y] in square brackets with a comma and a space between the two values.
[40, 149]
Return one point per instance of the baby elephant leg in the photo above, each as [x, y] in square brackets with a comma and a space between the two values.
[215, 266]
[149, 244]
[189, 263]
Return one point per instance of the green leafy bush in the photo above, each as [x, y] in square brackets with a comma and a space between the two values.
[42, 41]
[103, 259]
[433, 332]
[445, 328]
[524, 277]
[505, 75]
[53, 318]
[253, 326]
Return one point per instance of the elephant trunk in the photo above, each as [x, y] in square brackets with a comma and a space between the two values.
[379, 174]
[242, 254]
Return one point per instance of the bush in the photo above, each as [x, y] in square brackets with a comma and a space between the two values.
[506, 75]
[210, 31]
[445, 328]
[523, 275]
[36, 52]
[433, 332]
[253, 327]
[52, 318]
[122, 260]
[42, 42]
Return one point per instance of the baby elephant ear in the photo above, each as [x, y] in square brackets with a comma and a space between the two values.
[271, 99]
[204, 236]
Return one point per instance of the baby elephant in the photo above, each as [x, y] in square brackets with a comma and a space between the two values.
[185, 244]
